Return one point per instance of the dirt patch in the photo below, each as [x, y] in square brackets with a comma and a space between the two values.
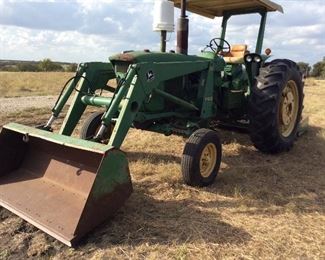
[17, 104]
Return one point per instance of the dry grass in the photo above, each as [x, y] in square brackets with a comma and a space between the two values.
[13, 84]
[261, 206]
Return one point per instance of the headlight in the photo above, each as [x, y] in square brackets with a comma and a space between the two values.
[257, 59]
[249, 59]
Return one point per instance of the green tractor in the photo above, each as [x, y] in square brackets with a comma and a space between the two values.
[66, 186]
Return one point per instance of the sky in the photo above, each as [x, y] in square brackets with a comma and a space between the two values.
[92, 30]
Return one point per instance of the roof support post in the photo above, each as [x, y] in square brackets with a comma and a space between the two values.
[260, 39]
[224, 27]
[182, 30]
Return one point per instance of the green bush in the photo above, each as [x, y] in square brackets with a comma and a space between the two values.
[48, 65]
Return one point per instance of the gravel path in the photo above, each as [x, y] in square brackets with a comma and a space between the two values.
[17, 104]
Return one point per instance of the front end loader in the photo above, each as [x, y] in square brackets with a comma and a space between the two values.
[66, 185]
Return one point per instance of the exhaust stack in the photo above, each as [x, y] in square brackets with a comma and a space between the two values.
[182, 30]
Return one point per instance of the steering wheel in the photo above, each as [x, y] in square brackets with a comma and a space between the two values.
[216, 46]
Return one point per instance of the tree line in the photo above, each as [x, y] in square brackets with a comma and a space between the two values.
[317, 70]
[44, 65]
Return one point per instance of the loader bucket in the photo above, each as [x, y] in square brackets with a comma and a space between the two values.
[62, 185]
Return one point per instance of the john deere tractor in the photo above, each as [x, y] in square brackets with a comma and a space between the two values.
[66, 185]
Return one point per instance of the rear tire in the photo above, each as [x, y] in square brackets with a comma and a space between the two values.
[275, 106]
[201, 158]
[91, 126]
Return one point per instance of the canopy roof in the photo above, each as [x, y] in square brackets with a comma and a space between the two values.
[213, 8]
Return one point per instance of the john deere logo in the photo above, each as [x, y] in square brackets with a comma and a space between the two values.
[150, 75]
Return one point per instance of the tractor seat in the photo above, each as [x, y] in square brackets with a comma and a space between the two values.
[236, 54]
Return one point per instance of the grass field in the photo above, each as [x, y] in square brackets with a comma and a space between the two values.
[261, 206]
[13, 84]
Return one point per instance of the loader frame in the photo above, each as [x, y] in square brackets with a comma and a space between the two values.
[134, 92]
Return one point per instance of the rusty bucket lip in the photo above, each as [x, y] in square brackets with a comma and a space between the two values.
[59, 139]
[51, 232]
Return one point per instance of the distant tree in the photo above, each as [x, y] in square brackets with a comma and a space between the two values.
[71, 67]
[45, 64]
[27, 67]
[49, 65]
[305, 68]
[319, 69]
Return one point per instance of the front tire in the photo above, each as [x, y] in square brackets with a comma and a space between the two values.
[91, 126]
[275, 106]
[201, 158]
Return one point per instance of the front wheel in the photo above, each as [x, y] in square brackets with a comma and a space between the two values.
[201, 158]
[92, 125]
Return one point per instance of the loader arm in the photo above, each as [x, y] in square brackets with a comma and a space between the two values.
[138, 87]
[89, 78]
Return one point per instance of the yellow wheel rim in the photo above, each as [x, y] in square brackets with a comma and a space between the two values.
[208, 160]
[289, 106]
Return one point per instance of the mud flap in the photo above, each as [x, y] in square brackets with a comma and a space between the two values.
[62, 185]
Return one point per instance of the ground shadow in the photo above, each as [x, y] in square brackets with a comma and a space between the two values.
[145, 219]
[153, 158]
[294, 177]
[265, 181]
[291, 178]
[229, 135]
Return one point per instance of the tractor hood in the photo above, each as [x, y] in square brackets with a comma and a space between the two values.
[147, 56]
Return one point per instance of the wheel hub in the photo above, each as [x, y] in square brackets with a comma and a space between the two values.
[208, 159]
[289, 108]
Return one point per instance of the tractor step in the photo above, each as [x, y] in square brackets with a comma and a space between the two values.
[62, 185]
